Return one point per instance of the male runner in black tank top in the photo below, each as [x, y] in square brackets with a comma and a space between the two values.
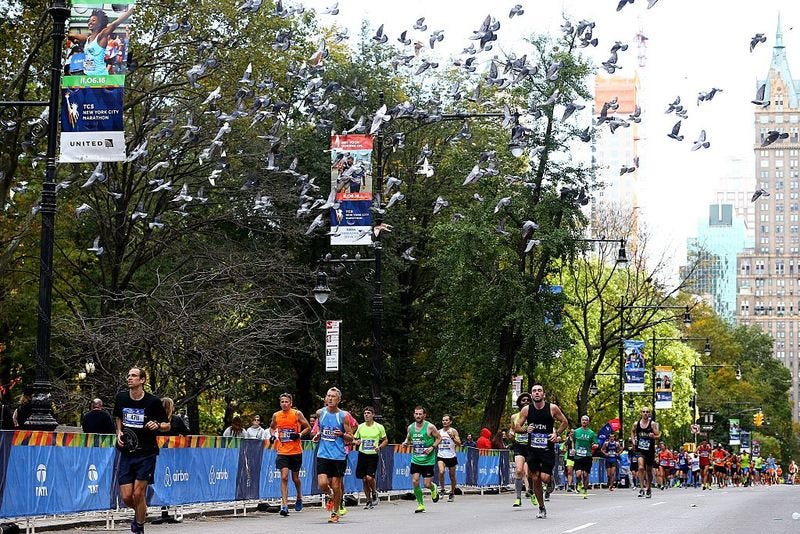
[537, 420]
[644, 434]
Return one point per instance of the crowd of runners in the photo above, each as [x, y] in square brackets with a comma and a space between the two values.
[541, 442]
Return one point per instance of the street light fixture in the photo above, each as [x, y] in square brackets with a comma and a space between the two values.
[622, 255]
[321, 290]
[593, 389]
[90, 366]
[707, 348]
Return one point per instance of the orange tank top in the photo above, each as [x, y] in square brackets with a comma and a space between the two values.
[286, 423]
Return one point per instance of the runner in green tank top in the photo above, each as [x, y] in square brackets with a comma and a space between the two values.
[423, 438]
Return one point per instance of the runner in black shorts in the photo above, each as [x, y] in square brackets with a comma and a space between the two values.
[537, 420]
[644, 434]
[138, 416]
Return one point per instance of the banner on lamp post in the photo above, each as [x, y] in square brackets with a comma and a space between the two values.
[93, 88]
[734, 431]
[634, 365]
[332, 345]
[663, 387]
[351, 178]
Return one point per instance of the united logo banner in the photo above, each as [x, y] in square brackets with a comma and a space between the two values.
[663, 387]
[92, 89]
[351, 178]
[634, 366]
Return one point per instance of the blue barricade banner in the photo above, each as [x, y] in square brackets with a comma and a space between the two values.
[488, 467]
[249, 472]
[385, 469]
[401, 475]
[205, 475]
[61, 473]
[56, 477]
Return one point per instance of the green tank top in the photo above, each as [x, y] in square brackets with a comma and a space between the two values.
[421, 440]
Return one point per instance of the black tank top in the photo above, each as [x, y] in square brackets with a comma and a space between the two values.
[542, 421]
[644, 443]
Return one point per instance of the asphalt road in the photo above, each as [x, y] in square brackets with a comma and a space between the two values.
[757, 510]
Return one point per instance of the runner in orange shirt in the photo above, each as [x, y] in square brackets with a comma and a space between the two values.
[287, 427]
[664, 459]
[719, 457]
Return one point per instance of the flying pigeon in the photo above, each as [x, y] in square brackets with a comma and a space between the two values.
[701, 141]
[761, 192]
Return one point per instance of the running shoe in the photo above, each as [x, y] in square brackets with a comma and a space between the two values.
[284, 511]
[434, 493]
[375, 499]
[420, 509]
[534, 500]
[648, 495]
[542, 514]
[369, 506]
[585, 493]
[450, 498]
[333, 518]
[342, 511]
[641, 493]
[298, 505]
[517, 503]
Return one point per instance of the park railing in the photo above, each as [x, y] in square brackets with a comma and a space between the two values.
[43, 473]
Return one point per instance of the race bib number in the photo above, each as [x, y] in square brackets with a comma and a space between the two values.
[643, 444]
[285, 434]
[368, 445]
[582, 451]
[133, 417]
[329, 433]
[418, 447]
[539, 441]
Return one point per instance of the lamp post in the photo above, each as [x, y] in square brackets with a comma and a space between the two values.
[41, 417]
[377, 259]
[687, 321]
[706, 352]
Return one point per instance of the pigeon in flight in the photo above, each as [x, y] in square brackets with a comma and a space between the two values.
[674, 134]
[96, 248]
[407, 254]
[757, 38]
[773, 136]
[439, 205]
[503, 202]
[761, 192]
[759, 99]
[701, 141]
[379, 36]
[623, 3]
[516, 11]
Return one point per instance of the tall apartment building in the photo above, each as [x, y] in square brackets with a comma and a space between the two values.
[610, 152]
[735, 188]
[769, 275]
[711, 269]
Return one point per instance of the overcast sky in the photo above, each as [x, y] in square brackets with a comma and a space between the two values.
[692, 46]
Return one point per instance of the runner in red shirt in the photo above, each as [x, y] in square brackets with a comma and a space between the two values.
[704, 452]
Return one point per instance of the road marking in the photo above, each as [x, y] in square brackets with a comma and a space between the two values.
[659, 502]
[576, 529]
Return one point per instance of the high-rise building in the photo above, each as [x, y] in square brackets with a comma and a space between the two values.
[711, 268]
[769, 275]
[613, 151]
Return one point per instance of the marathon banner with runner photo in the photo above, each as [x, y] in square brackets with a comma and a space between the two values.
[98, 45]
[663, 387]
[634, 366]
[734, 431]
[91, 119]
[351, 178]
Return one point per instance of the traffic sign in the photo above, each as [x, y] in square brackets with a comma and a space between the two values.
[695, 429]
[707, 427]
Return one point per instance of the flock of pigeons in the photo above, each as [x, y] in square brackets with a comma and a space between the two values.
[256, 102]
